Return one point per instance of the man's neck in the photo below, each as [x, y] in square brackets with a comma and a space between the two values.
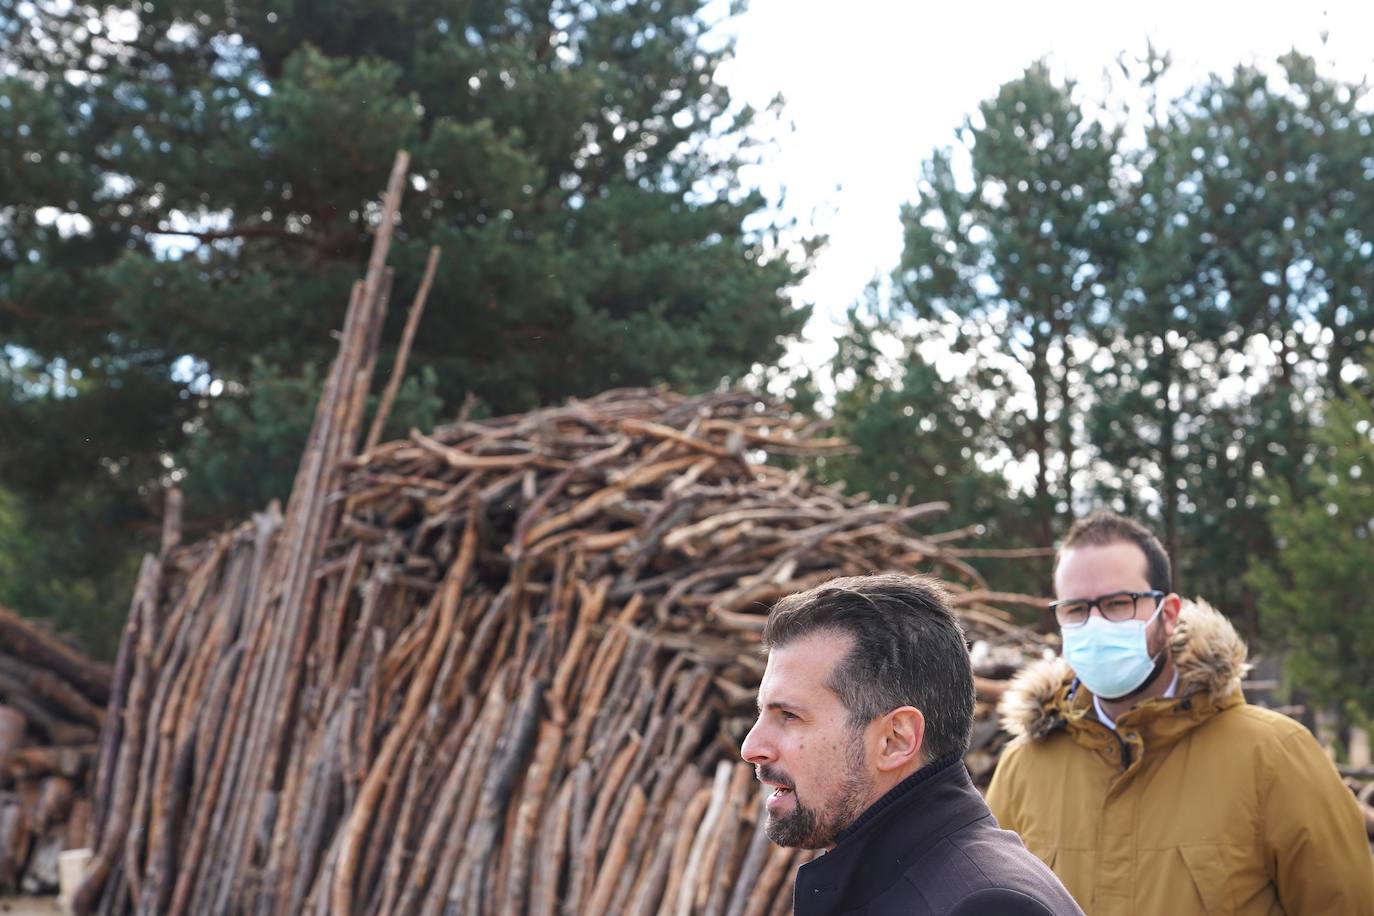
[1117, 708]
[885, 796]
[885, 782]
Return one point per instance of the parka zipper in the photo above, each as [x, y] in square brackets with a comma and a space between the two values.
[1125, 750]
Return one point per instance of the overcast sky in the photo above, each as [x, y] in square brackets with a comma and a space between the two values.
[872, 86]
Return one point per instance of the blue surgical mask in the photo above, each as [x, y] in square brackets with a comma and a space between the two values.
[1111, 658]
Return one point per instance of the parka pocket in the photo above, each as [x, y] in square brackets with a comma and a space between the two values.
[1207, 867]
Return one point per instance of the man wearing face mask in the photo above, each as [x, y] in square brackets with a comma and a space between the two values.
[1141, 776]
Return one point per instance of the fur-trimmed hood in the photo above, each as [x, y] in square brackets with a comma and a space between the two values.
[1209, 657]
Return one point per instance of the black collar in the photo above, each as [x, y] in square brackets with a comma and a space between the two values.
[895, 832]
[897, 792]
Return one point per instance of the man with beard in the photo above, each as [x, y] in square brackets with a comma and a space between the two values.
[864, 716]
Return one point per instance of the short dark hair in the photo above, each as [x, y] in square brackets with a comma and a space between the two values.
[909, 650]
[1105, 528]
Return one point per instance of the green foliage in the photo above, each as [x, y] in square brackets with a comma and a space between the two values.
[1316, 599]
[1241, 303]
[43, 572]
[252, 442]
[194, 190]
[918, 437]
[912, 431]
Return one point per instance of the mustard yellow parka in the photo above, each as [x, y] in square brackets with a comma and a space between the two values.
[1198, 804]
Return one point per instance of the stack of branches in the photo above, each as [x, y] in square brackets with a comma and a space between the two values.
[501, 668]
[52, 708]
[1360, 781]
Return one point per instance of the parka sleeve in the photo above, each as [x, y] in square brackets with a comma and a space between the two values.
[1314, 834]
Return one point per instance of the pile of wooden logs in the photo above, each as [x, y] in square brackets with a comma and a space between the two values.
[500, 668]
[52, 707]
[1360, 781]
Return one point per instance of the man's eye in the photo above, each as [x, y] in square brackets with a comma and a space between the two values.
[1120, 605]
[786, 716]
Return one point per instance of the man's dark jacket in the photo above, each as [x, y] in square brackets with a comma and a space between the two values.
[930, 846]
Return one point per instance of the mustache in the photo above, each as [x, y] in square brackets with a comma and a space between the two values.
[766, 773]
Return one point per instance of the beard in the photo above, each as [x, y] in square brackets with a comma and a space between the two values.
[816, 828]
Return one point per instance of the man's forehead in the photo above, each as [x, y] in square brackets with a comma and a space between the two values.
[803, 665]
[1101, 567]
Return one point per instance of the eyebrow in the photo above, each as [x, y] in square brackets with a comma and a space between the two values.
[780, 704]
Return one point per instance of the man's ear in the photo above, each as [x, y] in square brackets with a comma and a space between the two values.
[1172, 607]
[903, 732]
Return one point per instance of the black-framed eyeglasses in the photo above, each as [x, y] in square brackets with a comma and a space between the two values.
[1116, 606]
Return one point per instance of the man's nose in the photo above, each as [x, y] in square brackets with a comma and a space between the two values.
[756, 748]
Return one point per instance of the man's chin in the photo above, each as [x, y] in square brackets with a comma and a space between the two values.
[1160, 669]
[796, 831]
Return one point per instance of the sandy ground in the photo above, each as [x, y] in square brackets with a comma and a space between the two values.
[29, 906]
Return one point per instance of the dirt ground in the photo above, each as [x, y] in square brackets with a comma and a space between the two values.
[29, 906]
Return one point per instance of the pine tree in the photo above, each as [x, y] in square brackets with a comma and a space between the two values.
[1278, 304]
[1019, 252]
[918, 436]
[1315, 600]
[195, 189]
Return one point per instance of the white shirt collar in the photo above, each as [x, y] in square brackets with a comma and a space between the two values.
[1111, 723]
